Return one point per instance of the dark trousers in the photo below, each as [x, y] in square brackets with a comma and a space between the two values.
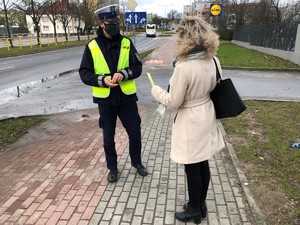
[131, 120]
[198, 177]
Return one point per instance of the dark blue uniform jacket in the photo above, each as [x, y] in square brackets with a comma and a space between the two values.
[111, 51]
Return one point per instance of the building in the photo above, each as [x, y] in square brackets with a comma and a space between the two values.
[197, 8]
[47, 28]
[201, 7]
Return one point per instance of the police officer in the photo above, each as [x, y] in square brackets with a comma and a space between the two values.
[110, 64]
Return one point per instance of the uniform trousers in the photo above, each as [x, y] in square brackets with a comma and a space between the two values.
[131, 120]
[198, 177]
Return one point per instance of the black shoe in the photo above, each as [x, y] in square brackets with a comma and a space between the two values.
[141, 169]
[112, 176]
[203, 209]
[191, 213]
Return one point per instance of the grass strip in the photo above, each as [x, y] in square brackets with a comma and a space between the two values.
[13, 128]
[262, 137]
[17, 51]
[232, 55]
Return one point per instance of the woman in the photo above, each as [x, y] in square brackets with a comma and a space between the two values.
[195, 134]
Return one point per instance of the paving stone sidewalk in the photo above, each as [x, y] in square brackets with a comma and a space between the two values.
[56, 174]
[154, 199]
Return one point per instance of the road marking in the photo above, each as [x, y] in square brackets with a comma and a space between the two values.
[4, 68]
[49, 59]
[147, 43]
[155, 61]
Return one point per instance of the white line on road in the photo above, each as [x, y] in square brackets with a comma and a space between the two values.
[4, 68]
[49, 59]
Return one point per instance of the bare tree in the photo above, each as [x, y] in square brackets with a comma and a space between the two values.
[286, 11]
[174, 15]
[77, 6]
[157, 19]
[277, 6]
[88, 9]
[6, 5]
[35, 9]
[273, 11]
[65, 15]
[261, 13]
[239, 8]
[19, 17]
[292, 11]
[221, 21]
[52, 14]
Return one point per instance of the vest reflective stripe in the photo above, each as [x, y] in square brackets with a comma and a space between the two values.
[101, 67]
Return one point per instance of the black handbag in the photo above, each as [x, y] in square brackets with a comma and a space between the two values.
[225, 97]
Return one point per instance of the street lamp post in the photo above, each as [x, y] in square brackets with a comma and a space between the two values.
[191, 7]
[165, 6]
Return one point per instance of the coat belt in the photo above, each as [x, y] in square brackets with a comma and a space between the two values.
[195, 103]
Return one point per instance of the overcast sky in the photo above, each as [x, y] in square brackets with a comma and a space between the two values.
[160, 7]
[163, 7]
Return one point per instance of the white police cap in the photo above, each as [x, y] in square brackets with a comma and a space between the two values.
[107, 12]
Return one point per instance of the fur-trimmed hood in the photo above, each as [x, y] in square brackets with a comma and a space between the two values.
[195, 35]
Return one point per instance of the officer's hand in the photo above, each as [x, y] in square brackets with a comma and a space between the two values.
[117, 77]
[109, 82]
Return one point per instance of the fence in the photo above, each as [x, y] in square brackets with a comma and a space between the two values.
[32, 40]
[282, 40]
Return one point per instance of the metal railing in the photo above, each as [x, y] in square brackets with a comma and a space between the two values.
[20, 42]
[277, 36]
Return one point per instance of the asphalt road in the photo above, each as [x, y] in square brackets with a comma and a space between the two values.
[17, 71]
[67, 92]
[20, 74]
[29, 68]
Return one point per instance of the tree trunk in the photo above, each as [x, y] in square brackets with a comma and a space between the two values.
[7, 26]
[65, 28]
[78, 29]
[55, 32]
[78, 34]
[37, 33]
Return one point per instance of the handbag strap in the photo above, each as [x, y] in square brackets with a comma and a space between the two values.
[218, 76]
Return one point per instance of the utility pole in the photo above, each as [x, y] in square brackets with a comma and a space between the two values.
[200, 8]
[165, 6]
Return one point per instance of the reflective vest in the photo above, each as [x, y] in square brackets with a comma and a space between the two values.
[128, 87]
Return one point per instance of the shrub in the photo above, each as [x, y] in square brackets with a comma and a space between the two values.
[225, 34]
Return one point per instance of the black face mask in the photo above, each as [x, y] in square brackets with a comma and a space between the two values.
[112, 29]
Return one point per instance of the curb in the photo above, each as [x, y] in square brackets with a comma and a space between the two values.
[17, 91]
[261, 69]
[272, 99]
[257, 215]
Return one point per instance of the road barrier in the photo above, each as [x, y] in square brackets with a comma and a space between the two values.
[41, 41]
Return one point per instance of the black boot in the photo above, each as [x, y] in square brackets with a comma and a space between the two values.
[203, 208]
[189, 214]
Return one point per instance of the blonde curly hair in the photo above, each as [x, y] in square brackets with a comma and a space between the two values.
[194, 35]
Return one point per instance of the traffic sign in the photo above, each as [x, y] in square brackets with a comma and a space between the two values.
[131, 4]
[135, 17]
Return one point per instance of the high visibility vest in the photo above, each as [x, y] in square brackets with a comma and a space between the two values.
[128, 87]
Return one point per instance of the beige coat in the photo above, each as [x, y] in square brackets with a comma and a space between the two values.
[195, 134]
